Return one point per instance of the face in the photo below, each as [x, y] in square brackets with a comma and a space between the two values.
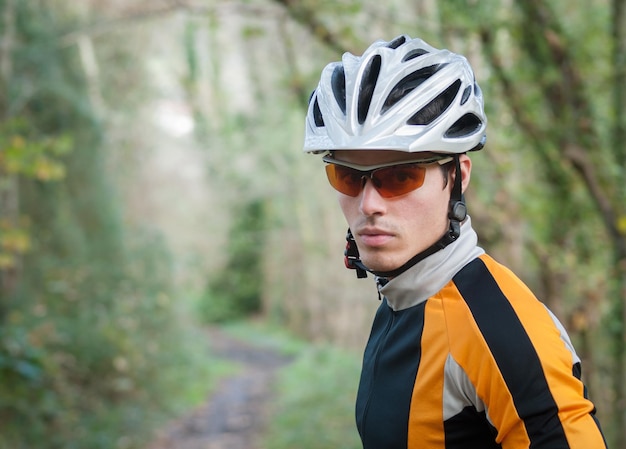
[390, 231]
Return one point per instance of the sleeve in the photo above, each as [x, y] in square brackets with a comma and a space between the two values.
[520, 361]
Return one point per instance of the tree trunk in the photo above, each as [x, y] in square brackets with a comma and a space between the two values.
[619, 247]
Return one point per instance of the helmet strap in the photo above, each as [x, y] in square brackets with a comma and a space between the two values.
[351, 257]
[457, 212]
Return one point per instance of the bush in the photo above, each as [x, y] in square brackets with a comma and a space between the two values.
[100, 356]
[315, 405]
[235, 291]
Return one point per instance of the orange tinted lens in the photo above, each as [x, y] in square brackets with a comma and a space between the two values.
[398, 180]
[345, 179]
[389, 181]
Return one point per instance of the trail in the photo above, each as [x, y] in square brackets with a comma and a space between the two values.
[235, 416]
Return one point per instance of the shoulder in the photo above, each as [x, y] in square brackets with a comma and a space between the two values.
[490, 290]
[494, 320]
[497, 306]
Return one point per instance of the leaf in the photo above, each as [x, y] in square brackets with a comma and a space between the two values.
[27, 370]
[18, 142]
[15, 240]
[48, 170]
[6, 261]
[621, 224]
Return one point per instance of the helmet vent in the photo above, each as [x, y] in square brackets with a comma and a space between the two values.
[368, 84]
[416, 53]
[465, 126]
[466, 94]
[436, 107]
[317, 114]
[397, 42]
[338, 82]
[477, 90]
[406, 85]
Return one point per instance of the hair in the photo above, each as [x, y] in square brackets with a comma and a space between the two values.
[447, 170]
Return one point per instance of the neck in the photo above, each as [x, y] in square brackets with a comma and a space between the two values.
[430, 275]
[450, 236]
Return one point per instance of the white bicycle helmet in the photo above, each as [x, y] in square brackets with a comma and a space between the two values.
[402, 95]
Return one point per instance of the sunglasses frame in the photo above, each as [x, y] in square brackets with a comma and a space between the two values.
[367, 171]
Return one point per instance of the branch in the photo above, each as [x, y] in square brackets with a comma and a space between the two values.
[109, 26]
[307, 17]
[296, 79]
[579, 158]
[514, 98]
[112, 25]
[6, 43]
[574, 144]
[566, 93]
[619, 82]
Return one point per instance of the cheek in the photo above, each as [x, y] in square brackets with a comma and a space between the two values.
[423, 215]
[430, 206]
[348, 206]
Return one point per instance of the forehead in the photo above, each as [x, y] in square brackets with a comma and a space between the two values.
[375, 157]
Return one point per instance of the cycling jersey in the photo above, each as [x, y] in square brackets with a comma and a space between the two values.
[462, 355]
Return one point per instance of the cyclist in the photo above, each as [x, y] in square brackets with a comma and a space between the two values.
[461, 354]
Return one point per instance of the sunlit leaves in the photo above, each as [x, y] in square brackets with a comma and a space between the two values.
[38, 157]
[24, 153]
[621, 224]
[14, 241]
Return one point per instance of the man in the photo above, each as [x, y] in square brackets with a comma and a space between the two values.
[461, 354]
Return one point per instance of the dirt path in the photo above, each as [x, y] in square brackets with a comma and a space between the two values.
[235, 416]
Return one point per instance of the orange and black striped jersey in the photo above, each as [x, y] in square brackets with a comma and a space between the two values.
[478, 364]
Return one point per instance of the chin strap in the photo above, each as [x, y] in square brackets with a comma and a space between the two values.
[457, 211]
[351, 257]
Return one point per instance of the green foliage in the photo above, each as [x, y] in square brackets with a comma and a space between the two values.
[96, 347]
[263, 333]
[235, 291]
[89, 363]
[91, 338]
[31, 156]
[15, 241]
[35, 157]
[315, 406]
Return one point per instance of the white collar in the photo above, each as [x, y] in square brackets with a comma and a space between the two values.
[430, 275]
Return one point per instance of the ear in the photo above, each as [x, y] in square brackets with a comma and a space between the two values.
[466, 170]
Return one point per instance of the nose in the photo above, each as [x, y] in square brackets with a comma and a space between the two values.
[371, 201]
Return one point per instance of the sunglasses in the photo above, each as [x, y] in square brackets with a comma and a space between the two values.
[390, 179]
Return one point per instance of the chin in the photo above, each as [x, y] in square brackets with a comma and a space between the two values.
[378, 265]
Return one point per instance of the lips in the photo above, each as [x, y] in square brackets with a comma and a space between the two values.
[374, 237]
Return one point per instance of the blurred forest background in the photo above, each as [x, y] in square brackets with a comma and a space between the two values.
[152, 181]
